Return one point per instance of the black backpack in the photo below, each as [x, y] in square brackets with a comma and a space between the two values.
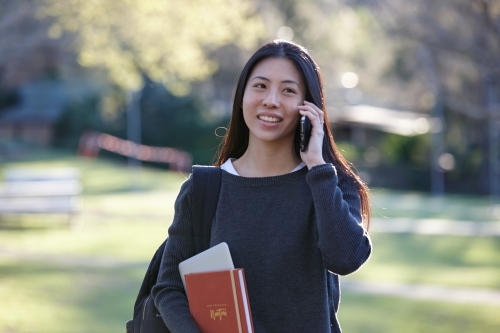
[206, 188]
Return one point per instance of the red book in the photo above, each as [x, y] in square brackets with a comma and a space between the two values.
[218, 301]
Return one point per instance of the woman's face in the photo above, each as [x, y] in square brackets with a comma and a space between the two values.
[274, 90]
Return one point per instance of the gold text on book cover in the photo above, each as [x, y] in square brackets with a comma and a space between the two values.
[218, 314]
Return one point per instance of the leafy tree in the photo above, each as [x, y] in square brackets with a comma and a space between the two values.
[165, 40]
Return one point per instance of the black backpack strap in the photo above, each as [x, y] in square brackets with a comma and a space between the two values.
[206, 188]
[147, 283]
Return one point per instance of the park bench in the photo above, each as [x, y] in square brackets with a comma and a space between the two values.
[40, 191]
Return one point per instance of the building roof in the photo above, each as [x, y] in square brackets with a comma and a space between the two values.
[399, 122]
[41, 102]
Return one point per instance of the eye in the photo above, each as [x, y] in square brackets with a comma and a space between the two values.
[260, 85]
[289, 90]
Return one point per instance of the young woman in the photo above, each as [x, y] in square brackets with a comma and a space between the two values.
[293, 220]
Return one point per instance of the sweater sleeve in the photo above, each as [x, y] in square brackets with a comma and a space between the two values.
[168, 293]
[344, 243]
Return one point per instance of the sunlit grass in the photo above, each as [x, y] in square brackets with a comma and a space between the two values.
[131, 205]
[377, 314]
[442, 260]
[120, 240]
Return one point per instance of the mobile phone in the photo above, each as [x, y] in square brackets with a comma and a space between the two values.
[305, 132]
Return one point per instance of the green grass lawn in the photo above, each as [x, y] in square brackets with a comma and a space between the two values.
[48, 282]
[369, 314]
[472, 262]
[40, 297]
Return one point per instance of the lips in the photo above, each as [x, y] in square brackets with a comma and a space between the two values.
[270, 119]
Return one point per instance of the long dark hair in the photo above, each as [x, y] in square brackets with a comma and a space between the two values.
[235, 141]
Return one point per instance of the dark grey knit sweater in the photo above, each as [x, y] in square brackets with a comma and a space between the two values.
[293, 234]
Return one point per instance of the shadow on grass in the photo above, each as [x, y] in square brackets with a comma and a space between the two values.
[85, 300]
[106, 299]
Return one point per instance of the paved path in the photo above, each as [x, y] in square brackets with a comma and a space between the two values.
[435, 227]
[71, 260]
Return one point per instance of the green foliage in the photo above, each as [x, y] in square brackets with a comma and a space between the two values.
[78, 116]
[348, 150]
[405, 149]
[465, 141]
[179, 122]
[8, 97]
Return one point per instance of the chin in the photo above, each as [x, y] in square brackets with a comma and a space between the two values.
[275, 139]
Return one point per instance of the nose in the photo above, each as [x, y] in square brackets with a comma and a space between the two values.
[271, 100]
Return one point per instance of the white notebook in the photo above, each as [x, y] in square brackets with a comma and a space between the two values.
[216, 258]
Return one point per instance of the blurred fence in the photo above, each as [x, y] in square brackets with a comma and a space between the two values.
[92, 142]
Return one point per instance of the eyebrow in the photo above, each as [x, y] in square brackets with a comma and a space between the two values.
[266, 79]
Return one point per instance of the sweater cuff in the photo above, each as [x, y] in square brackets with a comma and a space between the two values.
[321, 172]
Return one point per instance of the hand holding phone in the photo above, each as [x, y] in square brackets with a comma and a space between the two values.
[305, 132]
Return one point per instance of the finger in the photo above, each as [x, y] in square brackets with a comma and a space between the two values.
[317, 111]
[313, 110]
[316, 122]
[311, 114]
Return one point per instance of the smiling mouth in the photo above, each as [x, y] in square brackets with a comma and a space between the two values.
[270, 119]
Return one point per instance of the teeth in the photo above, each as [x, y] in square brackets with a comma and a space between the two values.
[270, 119]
